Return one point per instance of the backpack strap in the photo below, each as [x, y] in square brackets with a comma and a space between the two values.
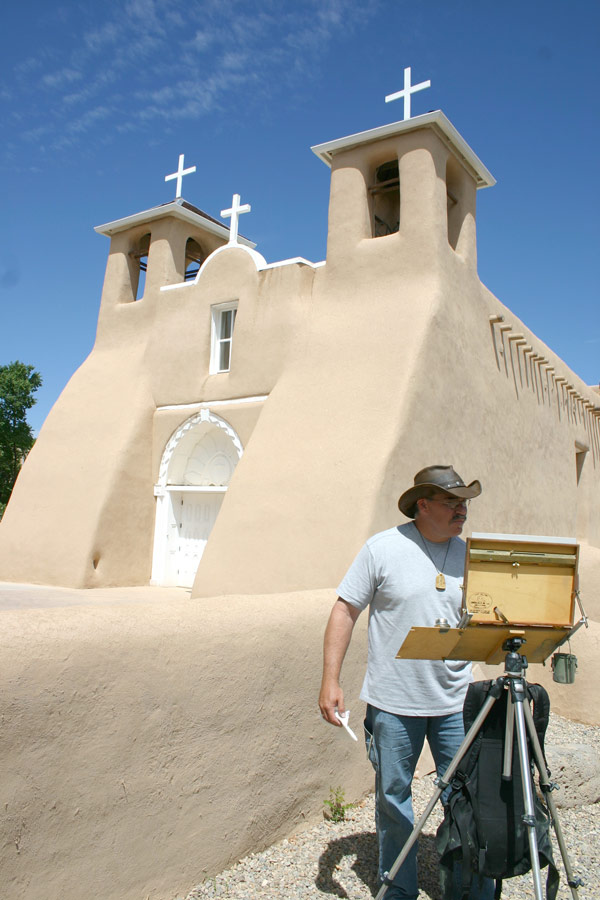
[541, 711]
[552, 880]
[463, 818]
[476, 696]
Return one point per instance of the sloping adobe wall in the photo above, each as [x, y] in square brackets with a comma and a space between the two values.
[93, 457]
[139, 754]
[308, 487]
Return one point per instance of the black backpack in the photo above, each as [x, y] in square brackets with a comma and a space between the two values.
[483, 826]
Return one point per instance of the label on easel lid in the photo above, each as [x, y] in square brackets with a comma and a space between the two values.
[480, 603]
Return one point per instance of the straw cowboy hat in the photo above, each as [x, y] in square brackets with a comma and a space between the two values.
[433, 479]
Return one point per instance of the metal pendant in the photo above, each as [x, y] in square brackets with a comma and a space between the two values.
[440, 583]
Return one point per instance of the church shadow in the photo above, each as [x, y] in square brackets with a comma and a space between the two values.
[363, 846]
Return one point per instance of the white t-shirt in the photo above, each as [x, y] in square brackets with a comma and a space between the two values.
[395, 576]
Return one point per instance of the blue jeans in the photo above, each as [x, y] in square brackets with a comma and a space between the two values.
[395, 749]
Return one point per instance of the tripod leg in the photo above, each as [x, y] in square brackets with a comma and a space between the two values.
[508, 738]
[518, 695]
[546, 786]
[495, 692]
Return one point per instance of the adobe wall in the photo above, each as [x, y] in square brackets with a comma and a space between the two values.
[139, 757]
[480, 404]
[269, 328]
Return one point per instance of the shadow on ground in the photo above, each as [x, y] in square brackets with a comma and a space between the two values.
[363, 846]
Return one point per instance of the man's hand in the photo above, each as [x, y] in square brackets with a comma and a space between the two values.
[330, 699]
[337, 637]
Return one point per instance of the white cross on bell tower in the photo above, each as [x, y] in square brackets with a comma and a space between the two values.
[235, 212]
[179, 175]
[407, 91]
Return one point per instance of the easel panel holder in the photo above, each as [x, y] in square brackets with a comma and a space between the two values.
[479, 643]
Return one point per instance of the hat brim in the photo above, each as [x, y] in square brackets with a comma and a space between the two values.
[410, 497]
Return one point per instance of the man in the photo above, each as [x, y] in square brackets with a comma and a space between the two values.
[409, 575]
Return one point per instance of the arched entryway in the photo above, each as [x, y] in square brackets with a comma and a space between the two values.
[196, 467]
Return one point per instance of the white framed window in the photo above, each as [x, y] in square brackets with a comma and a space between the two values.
[223, 320]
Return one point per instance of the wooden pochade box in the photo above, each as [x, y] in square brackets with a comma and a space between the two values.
[521, 580]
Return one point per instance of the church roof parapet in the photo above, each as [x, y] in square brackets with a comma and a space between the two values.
[435, 120]
[179, 209]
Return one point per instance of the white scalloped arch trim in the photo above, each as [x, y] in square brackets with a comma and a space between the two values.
[203, 416]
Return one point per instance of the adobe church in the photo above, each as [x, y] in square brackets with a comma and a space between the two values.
[241, 427]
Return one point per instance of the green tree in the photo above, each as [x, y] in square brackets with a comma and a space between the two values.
[18, 384]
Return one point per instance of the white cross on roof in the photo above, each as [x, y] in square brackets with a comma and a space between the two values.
[407, 91]
[179, 175]
[235, 212]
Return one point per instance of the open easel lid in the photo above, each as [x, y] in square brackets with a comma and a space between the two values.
[523, 538]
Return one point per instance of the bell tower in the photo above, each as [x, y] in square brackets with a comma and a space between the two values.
[410, 185]
[160, 247]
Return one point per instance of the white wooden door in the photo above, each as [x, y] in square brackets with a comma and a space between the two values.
[196, 513]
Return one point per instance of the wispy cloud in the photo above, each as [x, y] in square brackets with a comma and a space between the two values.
[147, 61]
[58, 80]
[102, 37]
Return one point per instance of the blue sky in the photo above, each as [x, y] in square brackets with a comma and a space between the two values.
[98, 99]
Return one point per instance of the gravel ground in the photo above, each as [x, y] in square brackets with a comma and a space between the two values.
[339, 860]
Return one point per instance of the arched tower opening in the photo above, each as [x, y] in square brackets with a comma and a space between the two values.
[455, 199]
[139, 258]
[385, 199]
[194, 257]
